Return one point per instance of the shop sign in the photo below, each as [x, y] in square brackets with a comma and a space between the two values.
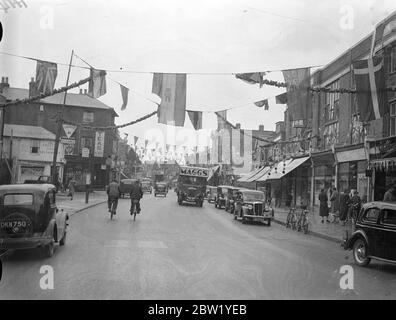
[99, 143]
[85, 152]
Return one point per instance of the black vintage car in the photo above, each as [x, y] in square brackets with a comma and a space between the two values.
[29, 218]
[160, 188]
[374, 236]
[220, 201]
[230, 199]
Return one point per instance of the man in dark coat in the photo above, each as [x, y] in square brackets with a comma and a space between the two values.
[323, 208]
[345, 201]
[335, 204]
[356, 205]
[135, 195]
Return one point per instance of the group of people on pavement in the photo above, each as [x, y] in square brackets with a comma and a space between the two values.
[113, 194]
[344, 206]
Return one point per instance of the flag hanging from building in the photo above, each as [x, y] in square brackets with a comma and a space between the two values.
[145, 144]
[281, 98]
[262, 103]
[167, 147]
[97, 83]
[135, 139]
[370, 88]
[46, 73]
[221, 119]
[196, 119]
[298, 81]
[383, 28]
[124, 94]
[252, 78]
[171, 88]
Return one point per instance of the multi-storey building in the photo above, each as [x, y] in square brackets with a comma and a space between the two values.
[85, 150]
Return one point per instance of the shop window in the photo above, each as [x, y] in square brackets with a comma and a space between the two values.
[392, 109]
[88, 117]
[35, 146]
[332, 102]
[371, 215]
[86, 143]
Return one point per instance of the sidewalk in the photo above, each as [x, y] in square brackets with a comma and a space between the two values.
[78, 203]
[329, 231]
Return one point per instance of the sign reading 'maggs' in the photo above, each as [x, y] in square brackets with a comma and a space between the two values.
[196, 172]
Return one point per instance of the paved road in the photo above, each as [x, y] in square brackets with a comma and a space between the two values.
[173, 252]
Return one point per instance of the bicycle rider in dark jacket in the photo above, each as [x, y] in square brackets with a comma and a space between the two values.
[136, 194]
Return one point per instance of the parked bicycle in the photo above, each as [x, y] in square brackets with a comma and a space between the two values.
[291, 221]
[303, 220]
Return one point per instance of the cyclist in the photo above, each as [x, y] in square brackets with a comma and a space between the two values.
[135, 195]
[113, 193]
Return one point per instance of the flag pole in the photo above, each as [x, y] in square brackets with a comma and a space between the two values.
[60, 120]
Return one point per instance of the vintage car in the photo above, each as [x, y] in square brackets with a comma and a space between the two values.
[160, 188]
[221, 197]
[374, 235]
[230, 199]
[29, 218]
[212, 193]
[146, 185]
[126, 186]
[250, 205]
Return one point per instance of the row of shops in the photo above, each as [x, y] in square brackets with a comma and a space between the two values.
[368, 168]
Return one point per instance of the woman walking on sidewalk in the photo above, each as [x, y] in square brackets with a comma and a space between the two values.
[71, 188]
[323, 209]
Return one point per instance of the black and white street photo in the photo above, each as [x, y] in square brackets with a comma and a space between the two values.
[206, 150]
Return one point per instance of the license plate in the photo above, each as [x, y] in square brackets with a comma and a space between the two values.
[14, 225]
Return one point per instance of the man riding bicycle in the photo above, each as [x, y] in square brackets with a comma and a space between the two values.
[113, 193]
[135, 195]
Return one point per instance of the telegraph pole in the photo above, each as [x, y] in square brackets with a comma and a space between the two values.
[60, 120]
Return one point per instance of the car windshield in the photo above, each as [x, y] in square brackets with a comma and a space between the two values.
[253, 196]
[18, 199]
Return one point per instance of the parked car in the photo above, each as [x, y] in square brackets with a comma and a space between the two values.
[230, 198]
[146, 185]
[212, 193]
[221, 197]
[160, 188]
[374, 236]
[250, 205]
[29, 218]
[126, 186]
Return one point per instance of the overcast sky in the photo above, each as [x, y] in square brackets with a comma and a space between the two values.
[206, 36]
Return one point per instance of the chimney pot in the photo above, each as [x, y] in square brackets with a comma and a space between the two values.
[2, 80]
[261, 127]
[6, 79]
[85, 91]
[81, 91]
[238, 125]
[32, 79]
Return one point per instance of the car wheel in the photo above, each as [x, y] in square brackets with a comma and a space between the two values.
[63, 240]
[360, 250]
[49, 250]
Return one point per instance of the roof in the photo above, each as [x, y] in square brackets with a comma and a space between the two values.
[72, 99]
[26, 188]
[33, 132]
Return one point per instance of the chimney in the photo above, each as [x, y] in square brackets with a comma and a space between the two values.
[33, 88]
[238, 125]
[81, 91]
[85, 91]
[261, 128]
[4, 84]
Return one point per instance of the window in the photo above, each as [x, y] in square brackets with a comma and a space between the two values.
[330, 135]
[88, 117]
[371, 215]
[35, 146]
[392, 110]
[358, 131]
[393, 60]
[389, 217]
[332, 102]
[86, 142]
[18, 199]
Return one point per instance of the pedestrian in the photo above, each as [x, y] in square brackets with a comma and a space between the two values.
[323, 208]
[335, 204]
[356, 204]
[390, 194]
[113, 194]
[71, 187]
[345, 201]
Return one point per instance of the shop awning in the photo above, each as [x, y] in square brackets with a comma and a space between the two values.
[259, 174]
[283, 168]
[351, 155]
[249, 175]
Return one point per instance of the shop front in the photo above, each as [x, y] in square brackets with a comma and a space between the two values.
[324, 174]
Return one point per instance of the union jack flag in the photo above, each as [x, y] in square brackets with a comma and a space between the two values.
[46, 73]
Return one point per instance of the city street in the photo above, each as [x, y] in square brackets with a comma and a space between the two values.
[187, 252]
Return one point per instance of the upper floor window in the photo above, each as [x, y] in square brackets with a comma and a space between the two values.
[86, 143]
[330, 135]
[35, 146]
[88, 117]
[332, 102]
[393, 60]
[392, 110]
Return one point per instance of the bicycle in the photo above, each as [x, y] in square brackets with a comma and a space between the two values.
[291, 219]
[134, 208]
[303, 222]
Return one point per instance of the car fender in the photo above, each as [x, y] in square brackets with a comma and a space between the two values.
[357, 234]
[49, 232]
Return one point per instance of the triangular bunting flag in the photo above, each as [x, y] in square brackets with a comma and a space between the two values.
[196, 119]
[124, 94]
[135, 140]
[97, 83]
[252, 78]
